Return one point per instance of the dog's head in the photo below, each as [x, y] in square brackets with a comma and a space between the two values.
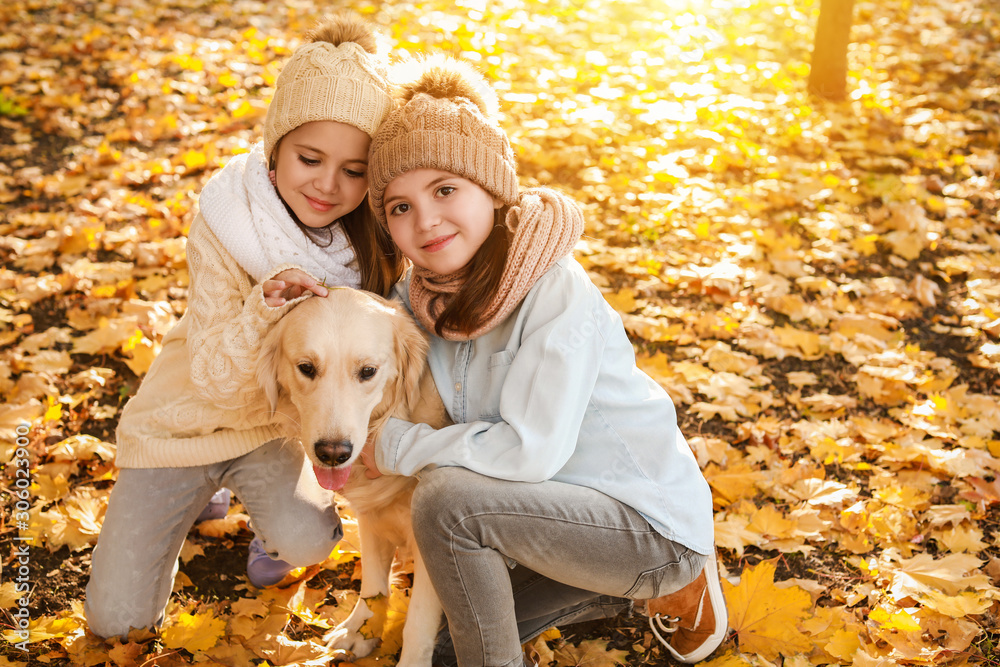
[345, 362]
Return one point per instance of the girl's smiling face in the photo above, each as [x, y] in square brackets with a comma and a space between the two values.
[438, 220]
[321, 171]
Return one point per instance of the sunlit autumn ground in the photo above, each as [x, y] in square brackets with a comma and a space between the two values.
[817, 285]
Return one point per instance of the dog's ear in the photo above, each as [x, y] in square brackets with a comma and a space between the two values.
[411, 351]
[267, 365]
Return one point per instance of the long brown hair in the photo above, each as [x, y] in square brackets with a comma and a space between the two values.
[467, 308]
[380, 262]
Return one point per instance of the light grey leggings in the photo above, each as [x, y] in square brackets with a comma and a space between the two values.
[151, 510]
[579, 555]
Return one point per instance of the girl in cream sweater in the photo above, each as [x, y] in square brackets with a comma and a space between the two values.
[287, 218]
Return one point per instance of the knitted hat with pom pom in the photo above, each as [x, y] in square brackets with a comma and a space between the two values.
[448, 122]
[336, 75]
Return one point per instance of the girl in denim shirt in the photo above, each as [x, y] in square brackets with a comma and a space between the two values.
[565, 491]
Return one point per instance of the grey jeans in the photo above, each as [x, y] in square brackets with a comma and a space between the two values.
[511, 559]
[151, 510]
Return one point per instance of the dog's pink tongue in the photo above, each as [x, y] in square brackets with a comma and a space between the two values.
[332, 478]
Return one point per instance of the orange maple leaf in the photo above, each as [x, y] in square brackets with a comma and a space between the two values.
[766, 617]
[733, 482]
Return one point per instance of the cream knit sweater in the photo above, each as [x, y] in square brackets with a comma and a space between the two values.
[200, 403]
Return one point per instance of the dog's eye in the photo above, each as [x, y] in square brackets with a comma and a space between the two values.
[368, 372]
[307, 369]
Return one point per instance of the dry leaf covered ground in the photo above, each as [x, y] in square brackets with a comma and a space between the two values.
[817, 285]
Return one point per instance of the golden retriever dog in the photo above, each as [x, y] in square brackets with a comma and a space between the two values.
[338, 367]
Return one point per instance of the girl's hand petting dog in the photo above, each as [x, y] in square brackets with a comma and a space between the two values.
[368, 458]
[290, 284]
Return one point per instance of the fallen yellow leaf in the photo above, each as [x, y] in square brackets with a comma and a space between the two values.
[898, 620]
[843, 645]
[765, 617]
[194, 632]
[9, 595]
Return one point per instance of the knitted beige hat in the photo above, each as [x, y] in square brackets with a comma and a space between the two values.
[336, 75]
[447, 122]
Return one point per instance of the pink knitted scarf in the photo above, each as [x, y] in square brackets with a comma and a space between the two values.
[546, 226]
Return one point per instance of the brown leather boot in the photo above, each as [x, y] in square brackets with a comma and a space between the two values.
[692, 622]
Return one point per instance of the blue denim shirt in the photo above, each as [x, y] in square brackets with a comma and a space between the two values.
[554, 393]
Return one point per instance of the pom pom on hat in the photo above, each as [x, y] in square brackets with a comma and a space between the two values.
[448, 121]
[344, 28]
[336, 75]
[443, 77]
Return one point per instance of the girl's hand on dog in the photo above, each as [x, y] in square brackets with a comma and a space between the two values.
[368, 458]
[290, 284]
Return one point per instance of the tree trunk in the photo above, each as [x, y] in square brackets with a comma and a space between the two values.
[828, 74]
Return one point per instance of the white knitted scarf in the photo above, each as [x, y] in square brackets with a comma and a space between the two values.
[244, 211]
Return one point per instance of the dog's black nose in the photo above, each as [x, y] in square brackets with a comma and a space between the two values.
[333, 452]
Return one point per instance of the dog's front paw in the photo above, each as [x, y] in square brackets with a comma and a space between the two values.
[342, 638]
[361, 632]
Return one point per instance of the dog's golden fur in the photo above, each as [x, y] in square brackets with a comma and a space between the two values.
[316, 369]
